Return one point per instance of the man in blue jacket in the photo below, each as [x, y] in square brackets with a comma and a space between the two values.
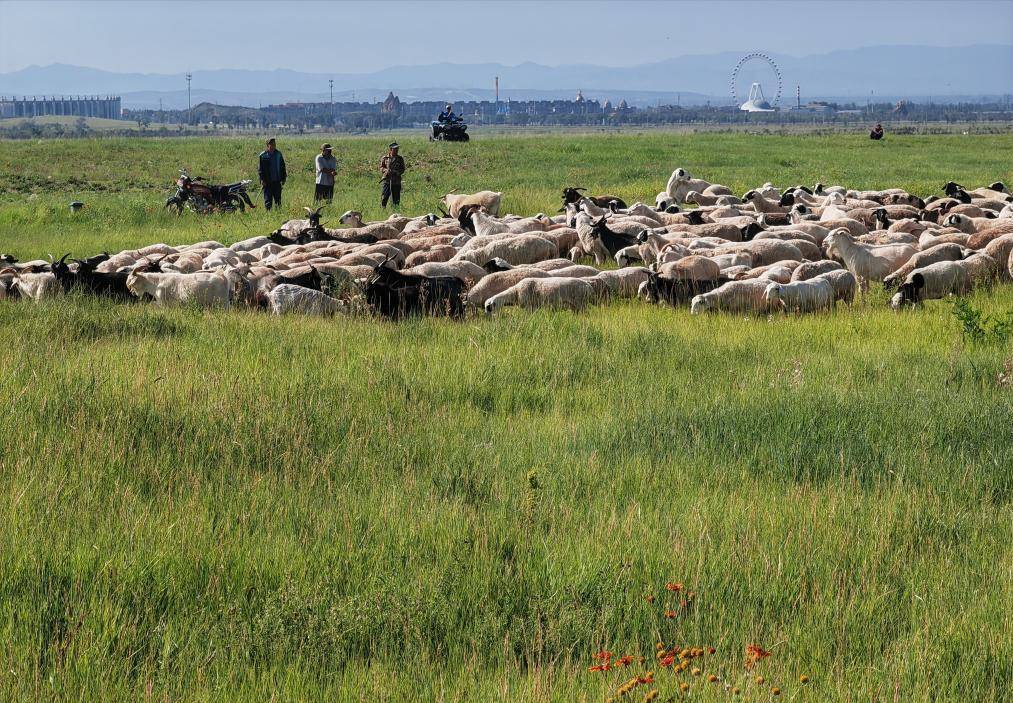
[272, 174]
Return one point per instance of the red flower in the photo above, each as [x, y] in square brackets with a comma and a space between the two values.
[755, 653]
[670, 614]
[602, 656]
[600, 667]
[667, 661]
[625, 661]
[673, 586]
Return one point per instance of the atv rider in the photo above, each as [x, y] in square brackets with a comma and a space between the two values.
[447, 116]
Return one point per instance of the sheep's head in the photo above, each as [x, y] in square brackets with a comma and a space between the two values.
[497, 264]
[60, 268]
[695, 217]
[951, 188]
[313, 214]
[351, 217]
[772, 295]
[662, 201]
[787, 199]
[751, 230]
[572, 195]
[680, 174]
[701, 304]
[961, 222]
[494, 304]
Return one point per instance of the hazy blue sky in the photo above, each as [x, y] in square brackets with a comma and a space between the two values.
[172, 36]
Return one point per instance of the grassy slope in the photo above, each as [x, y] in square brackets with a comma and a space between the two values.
[222, 505]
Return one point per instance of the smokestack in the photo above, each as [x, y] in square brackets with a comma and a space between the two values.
[497, 89]
[798, 97]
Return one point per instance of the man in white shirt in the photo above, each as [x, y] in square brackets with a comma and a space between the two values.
[327, 167]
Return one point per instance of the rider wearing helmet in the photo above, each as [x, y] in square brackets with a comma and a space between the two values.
[448, 115]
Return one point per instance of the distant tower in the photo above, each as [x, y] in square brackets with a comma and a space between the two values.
[798, 97]
[497, 90]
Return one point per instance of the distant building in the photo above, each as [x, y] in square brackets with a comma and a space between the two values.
[107, 107]
[392, 104]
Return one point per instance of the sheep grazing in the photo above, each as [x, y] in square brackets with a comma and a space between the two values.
[396, 295]
[734, 296]
[932, 255]
[944, 278]
[488, 200]
[499, 281]
[866, 262]
[553, 292]
[203, 288]
[800, 296]
[287, 298]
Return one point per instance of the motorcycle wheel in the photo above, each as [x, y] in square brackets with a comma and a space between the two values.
[236, 203]
[465, 137]
[174, 205]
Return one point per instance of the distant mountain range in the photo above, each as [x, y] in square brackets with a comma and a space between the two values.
[882, 72]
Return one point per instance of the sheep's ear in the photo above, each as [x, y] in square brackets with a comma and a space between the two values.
[918, 281]
[579, 189]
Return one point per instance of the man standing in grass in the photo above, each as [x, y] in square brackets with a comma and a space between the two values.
[327, 168]
[272, 174]
[391, 169]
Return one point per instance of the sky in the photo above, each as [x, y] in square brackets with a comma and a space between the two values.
[162, 36]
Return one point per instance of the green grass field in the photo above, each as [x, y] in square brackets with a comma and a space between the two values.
[225, 506]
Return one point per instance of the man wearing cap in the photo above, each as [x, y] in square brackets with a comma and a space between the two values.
[448, 115]
[391, 169]
[272, 174]
[327, 168]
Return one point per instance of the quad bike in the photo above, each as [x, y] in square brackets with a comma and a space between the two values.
[204, 198]
[455, 131]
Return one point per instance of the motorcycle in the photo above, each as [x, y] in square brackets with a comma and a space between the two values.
[455, 131]
[204, 198]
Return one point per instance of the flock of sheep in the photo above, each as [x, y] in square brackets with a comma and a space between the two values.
[796, 249]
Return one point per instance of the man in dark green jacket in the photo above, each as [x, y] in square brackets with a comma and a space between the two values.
[272, 174]
[392, 168]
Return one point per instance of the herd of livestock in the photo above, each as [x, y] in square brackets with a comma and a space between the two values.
[795, 249]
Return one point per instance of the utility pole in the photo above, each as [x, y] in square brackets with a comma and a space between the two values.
[330, 82]
[189, 107]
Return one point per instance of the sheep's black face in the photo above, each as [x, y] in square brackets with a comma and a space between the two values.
[750, 231]
[951, 188]
[672, 209]
[695, 218]
[786, 200]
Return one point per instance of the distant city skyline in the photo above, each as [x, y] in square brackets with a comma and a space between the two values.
[358, 37]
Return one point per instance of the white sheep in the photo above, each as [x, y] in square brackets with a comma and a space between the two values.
[865, 261]
[944, 278]
[499, 281]
[800, 296]
[569, 293]
[203, 288]
[515, 248]
[35, 286]
[287, 298]
[844, 284]
[488, 200]
[734, 296]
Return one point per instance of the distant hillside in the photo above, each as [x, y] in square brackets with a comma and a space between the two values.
[884, 71]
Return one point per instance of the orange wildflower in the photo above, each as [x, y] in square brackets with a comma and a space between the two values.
[602, 656]
[671, 614]
[755, 653]
[674, 587]
[600, 667]
[625, 661]
[667, 661]
[650, 599]
[775, 691]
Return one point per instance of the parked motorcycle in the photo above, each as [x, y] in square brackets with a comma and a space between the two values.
[204, 198]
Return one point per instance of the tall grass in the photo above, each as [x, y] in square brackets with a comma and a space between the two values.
[228, 506]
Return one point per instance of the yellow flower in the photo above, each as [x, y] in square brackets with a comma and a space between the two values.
[803, 679]
[651, 695]
[760, 679]
[775, 691]
[684, 686]
[696, 671]
[736, 690]
[712, 678]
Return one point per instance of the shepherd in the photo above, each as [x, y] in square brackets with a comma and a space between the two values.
[392, 167]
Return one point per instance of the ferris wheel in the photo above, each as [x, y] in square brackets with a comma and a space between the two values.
[750, 75]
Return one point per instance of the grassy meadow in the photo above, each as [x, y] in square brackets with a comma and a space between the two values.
[226, 506]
